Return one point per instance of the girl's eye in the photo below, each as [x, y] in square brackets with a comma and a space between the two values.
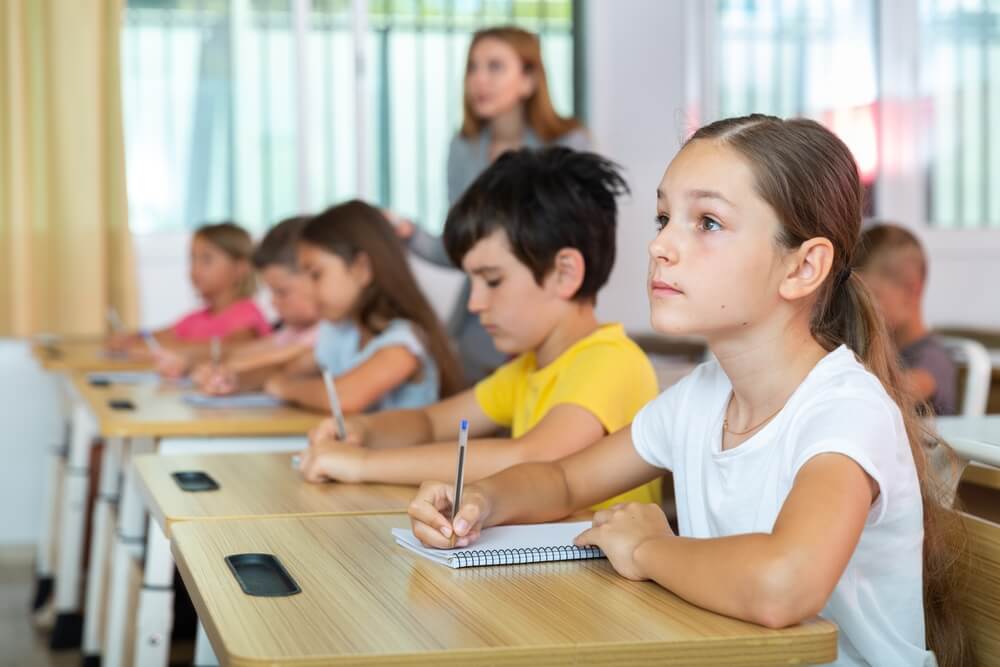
[710, 225]
[493, 283]
[661, 221]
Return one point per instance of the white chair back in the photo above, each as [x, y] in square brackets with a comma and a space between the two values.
[979, 372]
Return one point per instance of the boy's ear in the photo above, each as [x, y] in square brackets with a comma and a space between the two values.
[568, 271]
[806, 268]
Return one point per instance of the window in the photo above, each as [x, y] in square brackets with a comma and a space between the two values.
[247, 109]
[960, 98]
[910, 85]
[801, 58]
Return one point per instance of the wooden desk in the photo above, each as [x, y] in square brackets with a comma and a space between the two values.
[82, 355]
[973, 438]
[365, 600]
[162, 422]
[254, 486]
[160, 412]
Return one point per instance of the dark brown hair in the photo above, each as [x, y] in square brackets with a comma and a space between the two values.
[277, 248]
[544, 200]
[354, 227]
[236, 243]
[541, 115]
[810, 179]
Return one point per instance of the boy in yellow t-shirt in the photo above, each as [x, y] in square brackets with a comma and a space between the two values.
[536, 234]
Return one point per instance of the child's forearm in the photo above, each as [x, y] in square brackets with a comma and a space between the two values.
[528, 493]
[307, 392]
[395, 428]
[749, 576]
[413, 465]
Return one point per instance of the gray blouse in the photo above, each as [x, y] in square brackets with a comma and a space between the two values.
[466, 160]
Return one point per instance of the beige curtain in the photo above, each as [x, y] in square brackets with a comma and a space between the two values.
[65, 250]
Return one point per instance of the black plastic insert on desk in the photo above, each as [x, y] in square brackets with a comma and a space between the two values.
[194, 480]
[262, 575]
[121, 404]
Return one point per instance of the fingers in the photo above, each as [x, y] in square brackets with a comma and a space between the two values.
[587, 538]
[426, 511]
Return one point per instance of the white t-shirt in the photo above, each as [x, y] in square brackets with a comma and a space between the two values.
[839, 407]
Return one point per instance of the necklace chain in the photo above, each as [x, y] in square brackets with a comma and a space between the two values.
[725, 421]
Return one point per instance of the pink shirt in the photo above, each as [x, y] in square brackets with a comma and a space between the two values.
[203, 325]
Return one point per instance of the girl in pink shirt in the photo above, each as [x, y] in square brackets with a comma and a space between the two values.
[222, 275]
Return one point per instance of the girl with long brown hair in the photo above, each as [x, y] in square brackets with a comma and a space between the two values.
[506, 106]
[380, 338]
[798, 462]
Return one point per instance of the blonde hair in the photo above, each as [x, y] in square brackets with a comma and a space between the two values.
[236, 243]
[541, 115]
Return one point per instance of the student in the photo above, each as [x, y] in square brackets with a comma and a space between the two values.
[249, 365]
[536, 235]
[506, 107]
[380, 338]
[797, 460]
[221, 273]
[894, 268]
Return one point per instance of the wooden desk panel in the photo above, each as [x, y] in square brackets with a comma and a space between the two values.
[365, 600]
[255, 486]
[161, 412]
[82, 355]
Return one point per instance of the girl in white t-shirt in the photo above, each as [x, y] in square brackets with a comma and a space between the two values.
[796, 458]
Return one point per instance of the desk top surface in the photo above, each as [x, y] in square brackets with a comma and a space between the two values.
[366, 600]
[254, 486]
[159, 411]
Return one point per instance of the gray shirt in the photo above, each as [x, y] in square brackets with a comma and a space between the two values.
[466, 160]
[928, 354]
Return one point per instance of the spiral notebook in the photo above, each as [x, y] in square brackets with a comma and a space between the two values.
[509, 545]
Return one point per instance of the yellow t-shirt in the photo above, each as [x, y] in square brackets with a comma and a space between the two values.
[605, 373]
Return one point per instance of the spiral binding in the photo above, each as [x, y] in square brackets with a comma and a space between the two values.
[523, 556]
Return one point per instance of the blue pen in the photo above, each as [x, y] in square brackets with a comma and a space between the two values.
[463, 443]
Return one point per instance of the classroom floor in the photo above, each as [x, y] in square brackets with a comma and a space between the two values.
[23, 645]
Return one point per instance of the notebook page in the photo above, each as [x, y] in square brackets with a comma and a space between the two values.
[250, 400]
[498, 539]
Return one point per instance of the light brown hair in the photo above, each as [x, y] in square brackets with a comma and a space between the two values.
[892, 250]
[278, 247]
[810, 179]
[541, 115]
[236, 243]
[354, 227]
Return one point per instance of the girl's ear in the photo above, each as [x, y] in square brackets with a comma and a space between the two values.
[806, 268]
[361, 268]
[567, 273]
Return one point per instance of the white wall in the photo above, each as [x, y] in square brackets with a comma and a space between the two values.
[635, 101]
[29, 413]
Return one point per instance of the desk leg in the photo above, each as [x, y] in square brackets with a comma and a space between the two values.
[156, 602]
[102, 530]
[204, 656]
[42, 603]
[128, 545]
[44, 578]
[66, 633]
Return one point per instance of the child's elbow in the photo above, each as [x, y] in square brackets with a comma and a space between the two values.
[784, 597]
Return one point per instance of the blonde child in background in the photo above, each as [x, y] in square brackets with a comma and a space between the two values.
[221, 273]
